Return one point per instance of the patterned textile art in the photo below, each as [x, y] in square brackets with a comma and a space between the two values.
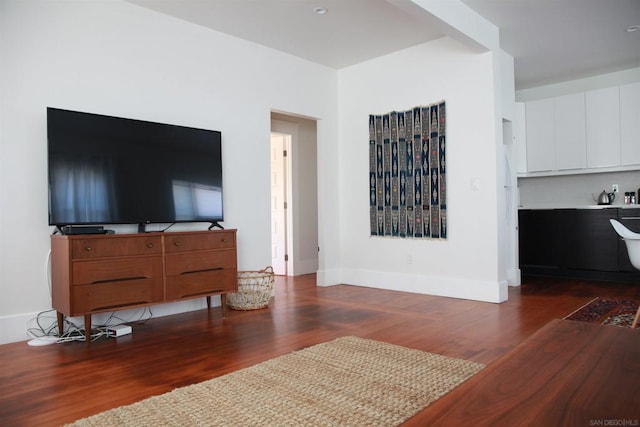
[407, 173]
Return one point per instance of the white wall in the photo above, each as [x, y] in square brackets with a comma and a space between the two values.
[465, 265]
[112, 57]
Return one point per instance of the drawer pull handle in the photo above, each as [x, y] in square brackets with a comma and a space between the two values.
[207, 293]
[177, 243]
[117, 306]
[204, 270]
[119, 279]
[223, 240]
[87, 248]
[149, 245]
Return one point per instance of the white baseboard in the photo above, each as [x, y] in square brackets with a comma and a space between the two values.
[13, 328]
[305, 266]
[479, 290]
[328, 277]
[515, 278]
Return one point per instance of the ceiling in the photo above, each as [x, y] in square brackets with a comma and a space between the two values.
[551, 40]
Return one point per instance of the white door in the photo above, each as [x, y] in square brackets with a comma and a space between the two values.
[278, 204]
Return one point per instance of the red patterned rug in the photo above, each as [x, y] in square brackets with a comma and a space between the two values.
[607, 311]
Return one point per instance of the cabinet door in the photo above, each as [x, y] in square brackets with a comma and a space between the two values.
[591, 242]
[541, 154]
[520, 135]
[570, 135]
[630, 218]
[540, 241]
[603, 127]
[630, 124]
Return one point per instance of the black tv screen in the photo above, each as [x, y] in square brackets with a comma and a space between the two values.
[112, 170]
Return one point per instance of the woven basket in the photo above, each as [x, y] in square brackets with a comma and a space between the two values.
[254, 290]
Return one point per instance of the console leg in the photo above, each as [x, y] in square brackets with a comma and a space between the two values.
[208, 302]
[60, 323]
[223, 304]
[87, 328]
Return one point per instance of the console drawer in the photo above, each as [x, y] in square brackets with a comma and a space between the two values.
[115, 295]
[199, 261]
[99, 247]
[116, 270]
[201, 283]
[184, 242]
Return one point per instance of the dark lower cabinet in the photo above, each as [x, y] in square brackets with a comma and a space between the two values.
[539, 238]
[630, 218]
[576, 243]
[590, 241]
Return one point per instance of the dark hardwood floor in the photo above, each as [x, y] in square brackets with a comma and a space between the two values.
[52, 385]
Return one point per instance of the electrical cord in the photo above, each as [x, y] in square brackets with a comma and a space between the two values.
[46, 325]
[47, 272]
[168, 227]
[72, 332]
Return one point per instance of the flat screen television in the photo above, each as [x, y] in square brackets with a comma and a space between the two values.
[113, 170]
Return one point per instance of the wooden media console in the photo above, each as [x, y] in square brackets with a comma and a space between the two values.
[109, 272]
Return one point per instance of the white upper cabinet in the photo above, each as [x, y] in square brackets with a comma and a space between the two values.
[630, 124]
[603, 127]
[586, 132]
[520, 136]
[541, 152]
[570, 132]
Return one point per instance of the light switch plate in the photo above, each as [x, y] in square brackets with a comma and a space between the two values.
[475, 184]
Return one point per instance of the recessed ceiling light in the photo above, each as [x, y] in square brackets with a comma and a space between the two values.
[633, 28]
[320, 10]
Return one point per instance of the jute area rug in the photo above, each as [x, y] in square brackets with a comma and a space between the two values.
[607, 311]
[349, 381]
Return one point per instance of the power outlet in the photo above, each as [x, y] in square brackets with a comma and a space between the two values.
[614, 188]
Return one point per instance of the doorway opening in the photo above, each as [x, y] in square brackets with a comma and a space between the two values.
[280, 196]
[294, 195]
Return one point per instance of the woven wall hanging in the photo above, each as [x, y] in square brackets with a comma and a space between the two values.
[407, 173]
